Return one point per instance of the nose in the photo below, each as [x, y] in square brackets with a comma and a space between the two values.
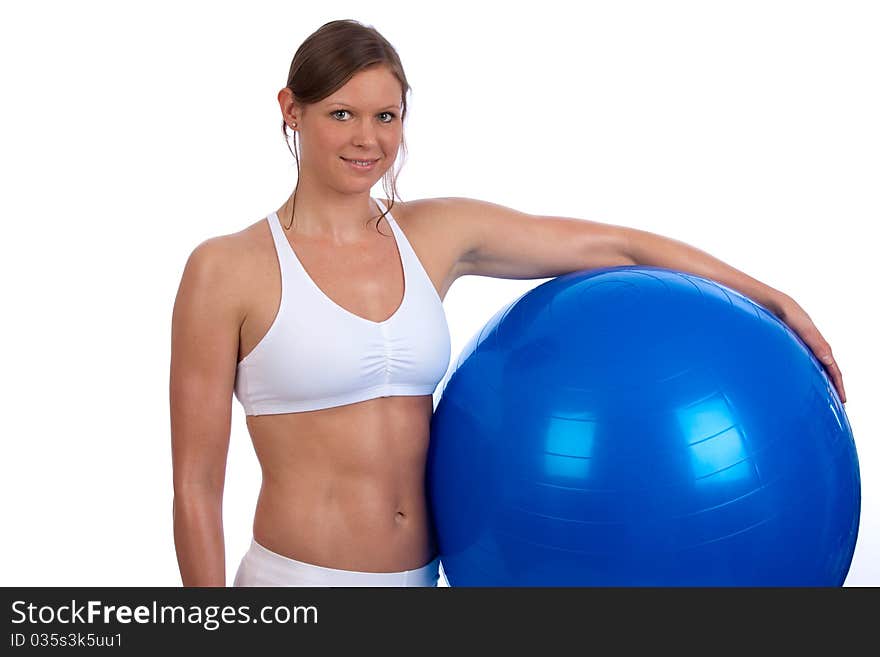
[364, 134]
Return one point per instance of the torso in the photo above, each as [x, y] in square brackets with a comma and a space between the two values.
[343, 487]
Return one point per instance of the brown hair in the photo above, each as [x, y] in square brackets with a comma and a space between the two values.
[329, 58]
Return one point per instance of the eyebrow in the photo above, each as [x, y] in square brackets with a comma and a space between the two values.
[381, 108]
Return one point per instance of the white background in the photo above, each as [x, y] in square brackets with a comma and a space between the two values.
[133, 131]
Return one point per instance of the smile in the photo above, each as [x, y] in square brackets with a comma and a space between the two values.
[363, 165]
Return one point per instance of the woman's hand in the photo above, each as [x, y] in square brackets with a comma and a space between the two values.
[799, 321]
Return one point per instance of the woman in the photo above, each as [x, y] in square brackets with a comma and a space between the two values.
[330, 331]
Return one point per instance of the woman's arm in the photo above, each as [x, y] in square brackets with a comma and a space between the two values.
[204, 353]
[493, 240]
[645, 248]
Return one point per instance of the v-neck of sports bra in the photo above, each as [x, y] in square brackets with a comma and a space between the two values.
[394, 235]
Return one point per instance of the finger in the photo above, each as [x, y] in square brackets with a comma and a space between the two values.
[838, 384]
[822, 349]
[836, 376]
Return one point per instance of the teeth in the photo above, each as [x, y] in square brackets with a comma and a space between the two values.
[363, 163]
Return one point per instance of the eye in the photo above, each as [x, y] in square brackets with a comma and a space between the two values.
[391, 115]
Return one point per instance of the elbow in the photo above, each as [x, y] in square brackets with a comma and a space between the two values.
[621, 247]
[197, 492]
[193, 509]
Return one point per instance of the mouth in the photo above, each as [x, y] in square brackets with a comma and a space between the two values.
[363, 165]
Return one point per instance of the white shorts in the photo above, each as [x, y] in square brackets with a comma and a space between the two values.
[262, 567]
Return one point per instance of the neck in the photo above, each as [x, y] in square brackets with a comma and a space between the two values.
[327, 214]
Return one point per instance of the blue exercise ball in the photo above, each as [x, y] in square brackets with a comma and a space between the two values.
[636, 426]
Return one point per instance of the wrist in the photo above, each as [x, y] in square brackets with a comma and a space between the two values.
[782, 305]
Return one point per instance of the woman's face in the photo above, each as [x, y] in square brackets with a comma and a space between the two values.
[359, 121]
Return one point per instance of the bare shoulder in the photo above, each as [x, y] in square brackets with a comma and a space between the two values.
[442, 220]
[451, 224]
[225, 256]
[426, 210]
[224, 266]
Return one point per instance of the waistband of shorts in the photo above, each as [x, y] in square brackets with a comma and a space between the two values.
[426, 575]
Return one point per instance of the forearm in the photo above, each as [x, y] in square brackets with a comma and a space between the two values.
[645, 248]
[198, 539]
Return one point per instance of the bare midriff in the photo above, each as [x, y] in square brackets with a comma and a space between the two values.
[344, 487]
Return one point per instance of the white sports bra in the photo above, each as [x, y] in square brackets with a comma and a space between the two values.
[316, 354]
